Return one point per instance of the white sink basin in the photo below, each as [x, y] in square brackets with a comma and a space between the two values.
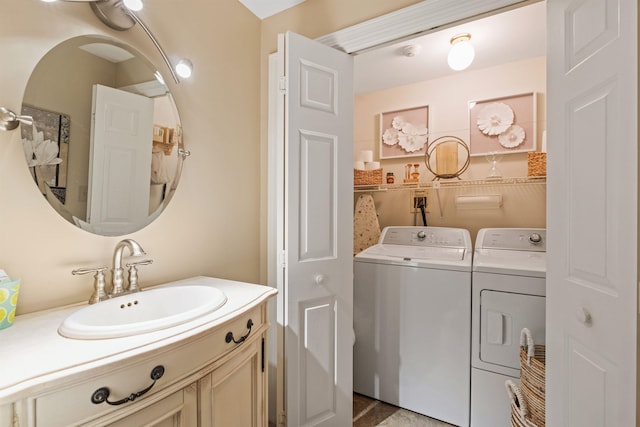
[142, 312]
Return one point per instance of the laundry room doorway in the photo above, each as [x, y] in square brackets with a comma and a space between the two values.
[292, 396]
[628, 11]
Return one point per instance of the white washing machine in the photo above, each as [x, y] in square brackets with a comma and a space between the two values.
[412, 320]
[508, 282]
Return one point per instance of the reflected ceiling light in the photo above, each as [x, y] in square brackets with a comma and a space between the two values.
[184, 68]
[462, 52]
[135, 5]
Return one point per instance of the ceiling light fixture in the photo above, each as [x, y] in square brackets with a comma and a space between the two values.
[462, 52]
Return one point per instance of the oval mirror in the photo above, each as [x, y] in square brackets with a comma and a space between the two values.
[106, 145]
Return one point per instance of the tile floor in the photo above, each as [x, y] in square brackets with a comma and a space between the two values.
[371, 413]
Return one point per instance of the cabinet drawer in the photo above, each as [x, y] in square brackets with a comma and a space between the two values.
[72, 405]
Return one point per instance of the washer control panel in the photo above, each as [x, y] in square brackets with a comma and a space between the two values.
[519, 239]
[426, 236]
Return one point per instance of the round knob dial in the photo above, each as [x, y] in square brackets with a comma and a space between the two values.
[421, 235]
[535, 238]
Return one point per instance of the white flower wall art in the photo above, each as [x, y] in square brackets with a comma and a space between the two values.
[404, 133]
[46, 146]
[495, 118]
[503, 125]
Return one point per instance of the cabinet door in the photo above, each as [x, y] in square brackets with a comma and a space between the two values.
[179, 409]
[233, 394]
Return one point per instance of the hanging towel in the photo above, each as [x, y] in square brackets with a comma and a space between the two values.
[366, 229]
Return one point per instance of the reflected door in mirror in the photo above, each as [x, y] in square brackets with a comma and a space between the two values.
[120, 160]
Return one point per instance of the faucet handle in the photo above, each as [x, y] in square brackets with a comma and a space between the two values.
[99, 283]
[133, 274]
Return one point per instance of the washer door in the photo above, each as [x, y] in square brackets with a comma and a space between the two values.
[502, 317]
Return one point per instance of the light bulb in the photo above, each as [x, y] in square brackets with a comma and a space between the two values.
[134, 5]
[48, 1]
[184, 68]
[462, 52]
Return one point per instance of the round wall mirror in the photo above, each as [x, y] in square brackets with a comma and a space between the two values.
[105, 148]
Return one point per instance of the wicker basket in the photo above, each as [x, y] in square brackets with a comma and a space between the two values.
[519, 410]
[537, 164]
[532, 377]
[367, 177]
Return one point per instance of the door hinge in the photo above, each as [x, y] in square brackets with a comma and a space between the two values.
[262, 351]
[283, 259]
[283, 85]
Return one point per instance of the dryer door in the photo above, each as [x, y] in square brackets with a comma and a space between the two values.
[503, 315]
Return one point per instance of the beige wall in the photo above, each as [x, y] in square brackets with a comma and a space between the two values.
[447, 97]
[212, 224]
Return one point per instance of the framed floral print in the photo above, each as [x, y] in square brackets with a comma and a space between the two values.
[503, 125]
[404, 133]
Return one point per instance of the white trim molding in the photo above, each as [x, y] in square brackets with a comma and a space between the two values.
[411, 21]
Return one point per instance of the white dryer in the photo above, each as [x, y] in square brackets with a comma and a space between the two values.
[508, 282]
[412, 321]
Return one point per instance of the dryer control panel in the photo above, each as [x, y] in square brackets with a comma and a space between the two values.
[426, 236]
[514, 239]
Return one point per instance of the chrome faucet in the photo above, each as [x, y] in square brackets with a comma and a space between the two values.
[117, 273]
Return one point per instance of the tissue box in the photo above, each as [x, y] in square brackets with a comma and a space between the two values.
[8, 301]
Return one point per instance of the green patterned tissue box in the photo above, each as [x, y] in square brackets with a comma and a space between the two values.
[8, 301]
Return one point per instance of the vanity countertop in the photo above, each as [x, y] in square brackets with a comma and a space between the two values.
[33, 353]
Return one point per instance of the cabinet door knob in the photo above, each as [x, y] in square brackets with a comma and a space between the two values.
[583, 316]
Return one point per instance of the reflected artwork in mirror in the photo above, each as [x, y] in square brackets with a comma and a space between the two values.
[105, 148]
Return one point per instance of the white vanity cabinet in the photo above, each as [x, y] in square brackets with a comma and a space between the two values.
[209, 375]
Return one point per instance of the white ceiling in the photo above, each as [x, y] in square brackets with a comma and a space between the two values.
[265, 8]
[510, 36]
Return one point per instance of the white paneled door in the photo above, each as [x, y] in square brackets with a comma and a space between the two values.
[316, 267]
[592, 215]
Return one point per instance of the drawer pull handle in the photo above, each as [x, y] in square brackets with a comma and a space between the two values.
[230, 337]
[102, 394]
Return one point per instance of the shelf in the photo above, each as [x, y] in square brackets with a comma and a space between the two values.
[450, 183]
